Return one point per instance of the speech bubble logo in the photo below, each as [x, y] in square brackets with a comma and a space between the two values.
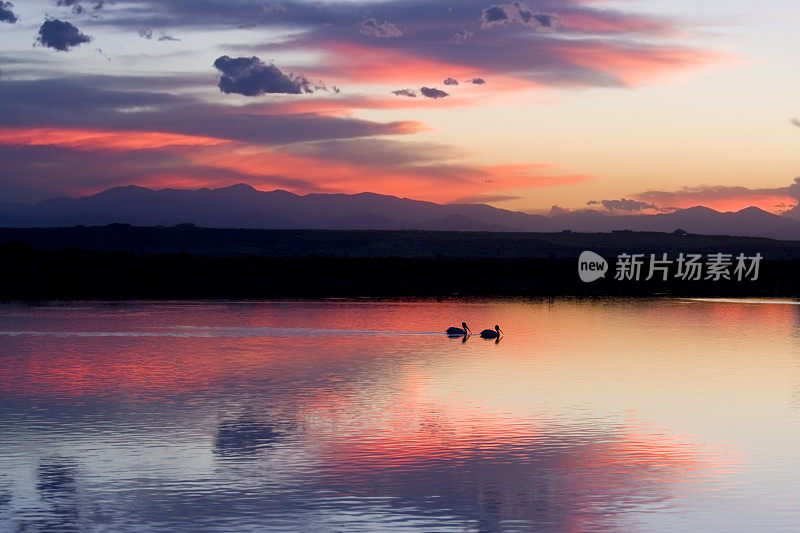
[591, 267]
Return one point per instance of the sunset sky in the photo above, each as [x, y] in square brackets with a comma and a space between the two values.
[523, 105]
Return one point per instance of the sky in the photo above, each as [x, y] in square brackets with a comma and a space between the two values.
[628, 106]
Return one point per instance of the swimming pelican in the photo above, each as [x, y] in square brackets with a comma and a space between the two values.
[459, 331]
[491, 333]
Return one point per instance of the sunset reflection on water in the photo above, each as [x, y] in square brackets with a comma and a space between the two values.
[363, 415]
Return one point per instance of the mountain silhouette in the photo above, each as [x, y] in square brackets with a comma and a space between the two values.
[242, 206]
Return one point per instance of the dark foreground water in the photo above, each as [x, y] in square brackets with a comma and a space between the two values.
[666, 415]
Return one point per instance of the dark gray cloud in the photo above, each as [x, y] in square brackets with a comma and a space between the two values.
[250, 76]
[451, 81]
[796, 122]
[148, 34]
[77, 5]
[793, 190]
[409, 93]
[518, 12]
[60, 35]
[477, 81]
[494, 14]
[429, 92]
[386, 30]
[623, 204]
[7, 12]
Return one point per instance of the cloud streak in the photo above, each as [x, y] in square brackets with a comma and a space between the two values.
[726, 198]
[147, 104]
[81, 139]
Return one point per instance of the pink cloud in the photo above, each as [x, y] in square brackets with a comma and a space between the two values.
[638, 65]
[615, 23]
[354, 63]
[82, 139]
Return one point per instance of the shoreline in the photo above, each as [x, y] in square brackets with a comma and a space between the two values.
[92, 275]
[123, 263]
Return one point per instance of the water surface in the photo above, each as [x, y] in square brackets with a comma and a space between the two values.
[607, 415]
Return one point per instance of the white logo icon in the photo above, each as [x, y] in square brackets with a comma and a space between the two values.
[591, 267]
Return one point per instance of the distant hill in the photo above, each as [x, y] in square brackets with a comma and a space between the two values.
[242, 206]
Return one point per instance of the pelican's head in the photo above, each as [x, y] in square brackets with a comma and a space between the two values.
[464, 325]
[497, 329]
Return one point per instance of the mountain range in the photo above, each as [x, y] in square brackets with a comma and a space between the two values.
[242, 206]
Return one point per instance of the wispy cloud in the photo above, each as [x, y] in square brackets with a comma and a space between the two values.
[623, 205]
[385, 30]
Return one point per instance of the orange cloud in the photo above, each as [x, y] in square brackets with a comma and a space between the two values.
[440, 182]
[81, 139]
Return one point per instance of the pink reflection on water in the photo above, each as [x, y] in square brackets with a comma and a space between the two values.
[560, 422]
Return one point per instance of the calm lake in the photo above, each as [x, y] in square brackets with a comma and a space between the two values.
[607, 415]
